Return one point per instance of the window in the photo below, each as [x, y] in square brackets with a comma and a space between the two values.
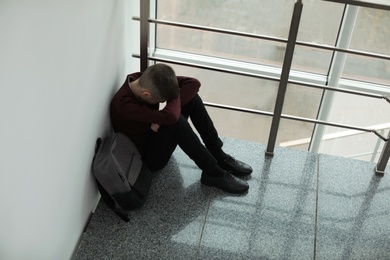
[268, 22]
[371, 34]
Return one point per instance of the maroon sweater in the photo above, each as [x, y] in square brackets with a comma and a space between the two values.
[134, 117]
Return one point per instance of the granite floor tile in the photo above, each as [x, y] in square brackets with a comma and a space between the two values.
[353, 210]
[275, 220]
[299, 205]
[168, 226]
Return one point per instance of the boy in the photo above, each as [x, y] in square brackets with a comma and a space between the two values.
[135, 112]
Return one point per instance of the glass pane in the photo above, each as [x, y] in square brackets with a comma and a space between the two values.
[294, 134]
[356, 111]
[362, 146]
[311, 60]
[255, 94]
[240, 125]
[220, 45]
[237, 91]
[250, 16]
[320, 22]
[302, 101]
[359, 111]
[372, 34]
[367, 69]
[233, 90]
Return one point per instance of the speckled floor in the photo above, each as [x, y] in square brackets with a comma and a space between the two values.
[300, 205]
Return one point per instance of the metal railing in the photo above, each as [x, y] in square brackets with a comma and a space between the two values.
[284, 80]
[379, 4]
[382, 128]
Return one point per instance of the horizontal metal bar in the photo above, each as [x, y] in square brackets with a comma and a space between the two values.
[296, 118]
[338, 135]
[239, 109]
[236, 72]
[264, 37]
[347, 91]
[195, 65]
[378, 4]
[349, 51]
[213, 29]
[335, 125]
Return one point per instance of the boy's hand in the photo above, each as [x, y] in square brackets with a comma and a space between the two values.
[155, 127]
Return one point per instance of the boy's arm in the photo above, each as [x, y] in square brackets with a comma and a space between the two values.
[189, 87]
[138, 112]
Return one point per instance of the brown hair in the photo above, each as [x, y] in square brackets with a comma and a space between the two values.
[161, 80]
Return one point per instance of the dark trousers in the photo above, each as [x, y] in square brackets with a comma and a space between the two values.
[161, 144]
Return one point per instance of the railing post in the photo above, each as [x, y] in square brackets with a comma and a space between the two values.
[288, 56]
[384, 158]
[144, 33]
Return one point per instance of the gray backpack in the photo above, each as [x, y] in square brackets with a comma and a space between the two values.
[122, 177]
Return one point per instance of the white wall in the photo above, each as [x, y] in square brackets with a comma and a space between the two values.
[60, 63]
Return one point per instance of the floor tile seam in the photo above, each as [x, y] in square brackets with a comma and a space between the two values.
[203, 228]
[316, 208]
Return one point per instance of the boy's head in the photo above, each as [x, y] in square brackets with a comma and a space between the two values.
[160, 79]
